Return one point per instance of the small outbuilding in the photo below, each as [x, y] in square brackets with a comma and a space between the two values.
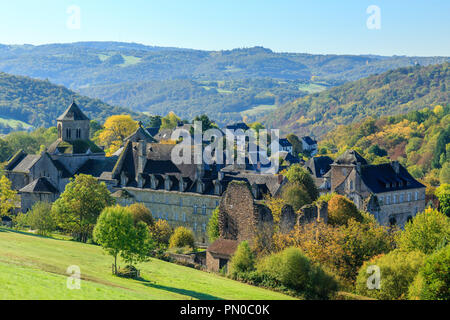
[219, 254]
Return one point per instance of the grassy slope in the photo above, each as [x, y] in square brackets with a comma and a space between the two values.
[33, 267]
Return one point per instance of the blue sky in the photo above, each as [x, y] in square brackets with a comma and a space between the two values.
[412, 27]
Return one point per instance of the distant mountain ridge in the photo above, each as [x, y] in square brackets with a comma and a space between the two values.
[393, 92]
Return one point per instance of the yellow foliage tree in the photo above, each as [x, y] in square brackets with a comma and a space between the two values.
[7, 196]
[116, 129]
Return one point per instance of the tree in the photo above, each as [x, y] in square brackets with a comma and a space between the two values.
[182, 237]
[213, 226]
[7, 196]
[443, 194]
[116, 129]
[79, 206]
[444, 174]
[5, 150]
[170, 121]
[425, 232]
[298, 175]
[397, 271]
[161, 232]
[40, 218]
[116, 232]
[433, 280]
[141, 213]
[206, 122]
[295, 195]
[297, 145]
[242, 261]
[341, 209]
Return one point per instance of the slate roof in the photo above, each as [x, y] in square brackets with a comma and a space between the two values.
[73, 147]
[223, 247]
[40, 185]
[26, 163]
[350, 157]
[236, 126]
[153, 131]
[73, 113]
[98, 167]
[140, 134]
[319, 166]
[377, 176]
[308, 140]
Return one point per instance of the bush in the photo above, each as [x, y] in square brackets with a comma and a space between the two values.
[243, 260]
[182, 237]
[433, 280]
[40, 218]
[292, 269]
[341, 209]
[397, 271]
[425, 232]
[128, 272]
[161, 232]
[141, 213]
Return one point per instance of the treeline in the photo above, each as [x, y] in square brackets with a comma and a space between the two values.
[393, 92]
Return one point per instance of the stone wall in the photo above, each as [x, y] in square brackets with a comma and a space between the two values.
[191, 210]
[313, 213]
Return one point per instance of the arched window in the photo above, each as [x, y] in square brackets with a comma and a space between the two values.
[59, 131]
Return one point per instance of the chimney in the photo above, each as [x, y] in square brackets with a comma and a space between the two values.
[396, 166]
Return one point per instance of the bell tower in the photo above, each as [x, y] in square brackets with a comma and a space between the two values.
[73, 124]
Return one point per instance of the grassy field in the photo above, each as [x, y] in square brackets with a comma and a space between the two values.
[33, 267]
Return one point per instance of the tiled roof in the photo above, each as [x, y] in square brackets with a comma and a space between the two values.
[224, 247]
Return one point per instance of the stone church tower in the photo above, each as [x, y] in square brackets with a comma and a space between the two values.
[73, 124]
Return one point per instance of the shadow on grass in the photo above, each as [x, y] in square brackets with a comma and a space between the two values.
[185, 292]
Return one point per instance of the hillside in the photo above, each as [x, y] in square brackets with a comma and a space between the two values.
[158, 80]
[419, 140]
[393, 92]
[27, 259]
[25, 101]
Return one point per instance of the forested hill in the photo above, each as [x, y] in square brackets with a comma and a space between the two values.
[393, 92]
[38, 103]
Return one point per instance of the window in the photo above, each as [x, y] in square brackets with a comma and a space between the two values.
[351, 185]
[204, 227]
[195, 226]
[381, 200]
[184, 217]
[195, 208]
[416, 196]
[68, 133]
[181, 202]
[388, 199]
[78, 133]
[394, 198]
[204, 209]
[401, 198]
[175, 216]
[409, 196]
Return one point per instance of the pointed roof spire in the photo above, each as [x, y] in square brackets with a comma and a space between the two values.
[73, 113]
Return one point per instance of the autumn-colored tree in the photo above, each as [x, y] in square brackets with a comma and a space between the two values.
[182, 237]
[443, 194]
[161, 232]
[275, 204]
[116, 129]
[213, 226]
[7, 196]
[141, 213]
[170, 121]
[296, 195]
[341, 209]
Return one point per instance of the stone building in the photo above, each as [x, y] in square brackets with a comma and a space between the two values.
[386, 190]
[141, 171]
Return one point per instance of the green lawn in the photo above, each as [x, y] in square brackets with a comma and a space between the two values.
[33, 267]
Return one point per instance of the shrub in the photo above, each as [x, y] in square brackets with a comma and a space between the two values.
[425, 232]
[341, 209]
[141, 213]
[243, 260]
[397, 271]
[161, 232]
[182, 237]
[40, 218]
[433, 280]
[292, 269]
